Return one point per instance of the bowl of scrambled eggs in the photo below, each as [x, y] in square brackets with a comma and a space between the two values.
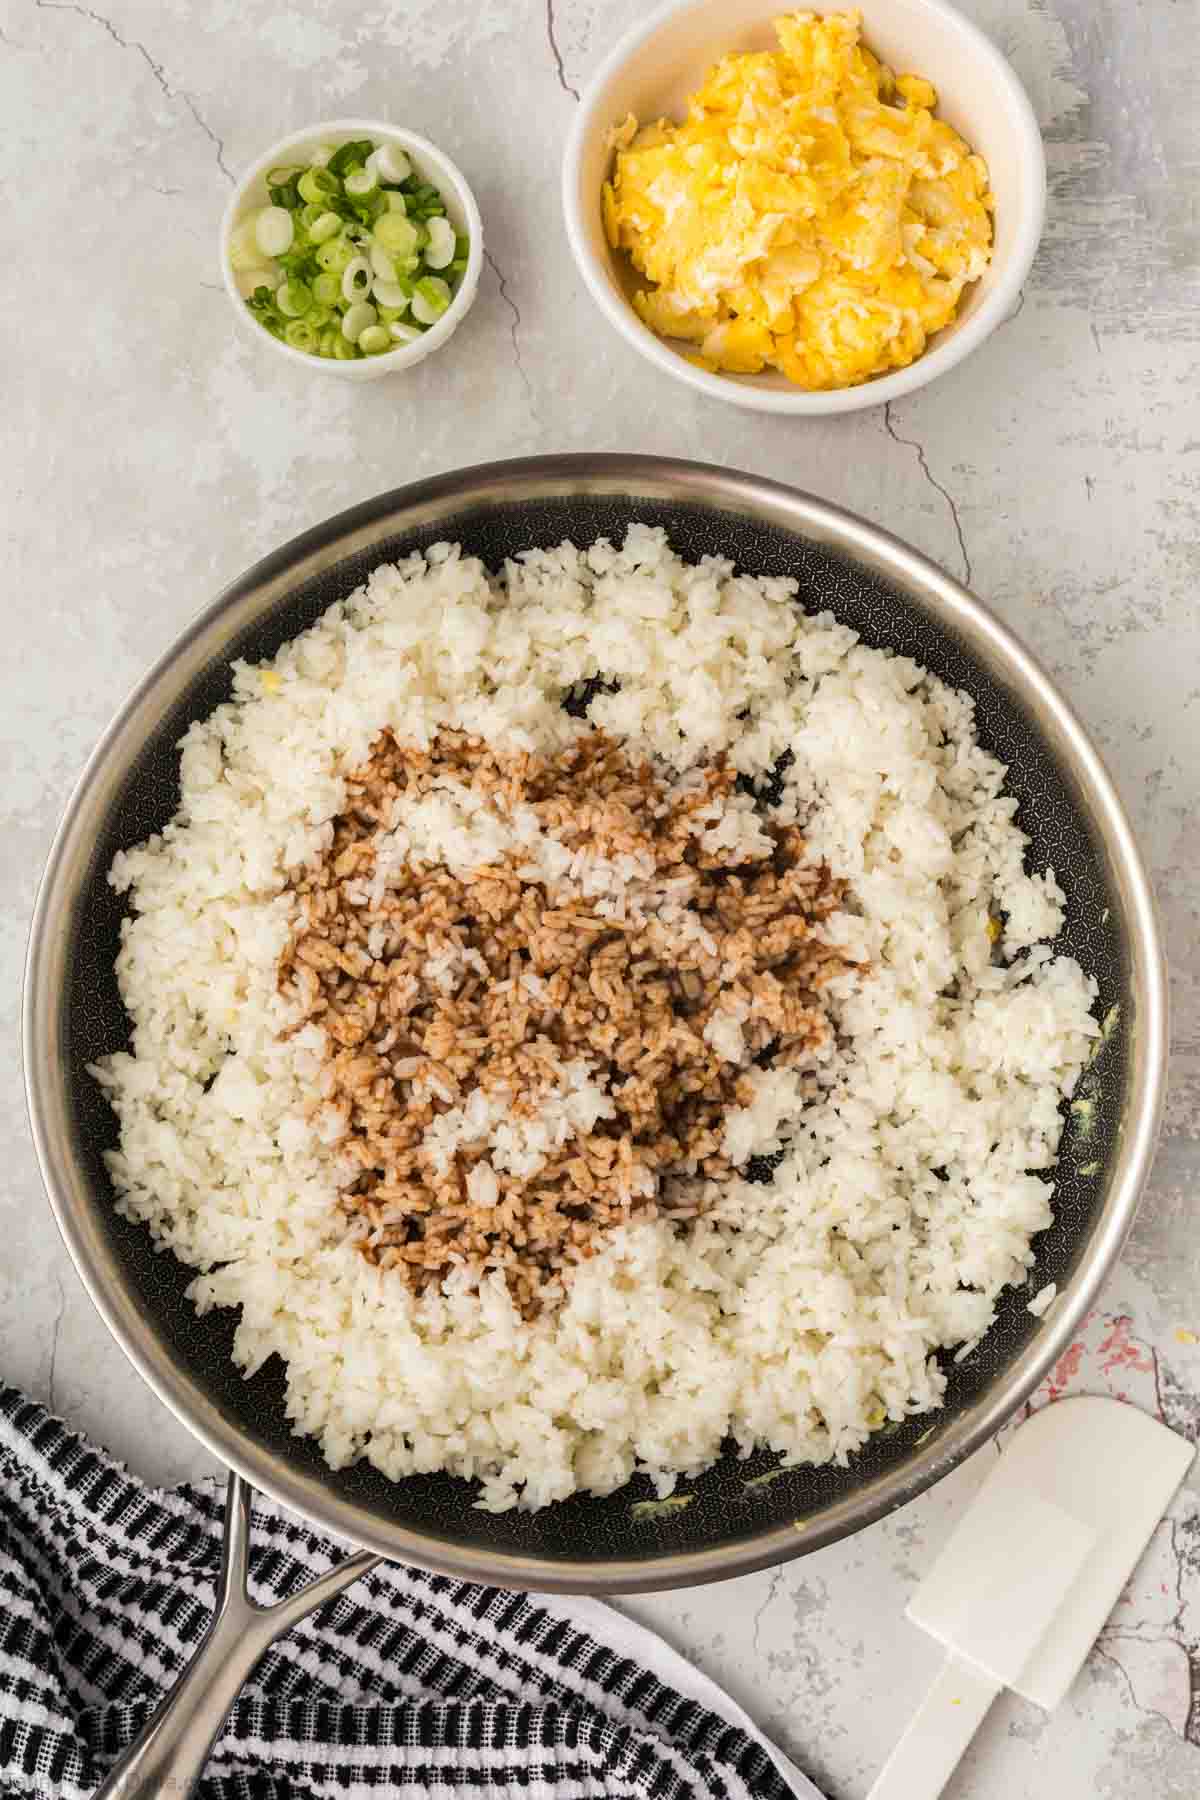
[805, 212]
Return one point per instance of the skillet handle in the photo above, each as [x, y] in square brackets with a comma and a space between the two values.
[169, 1756]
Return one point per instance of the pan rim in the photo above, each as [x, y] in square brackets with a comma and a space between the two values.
[718, 489]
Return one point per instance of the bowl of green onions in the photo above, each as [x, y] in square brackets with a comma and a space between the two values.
[354, 247]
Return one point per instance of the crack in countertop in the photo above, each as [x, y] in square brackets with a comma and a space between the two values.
[217, 143]
[1017, 310]
[1158, 1392]
[1115, 1662]
[514, 331]
[156, 69]
[1177, 1558]
[556, 53]
[774, 1581]
[931, 478]
[1107, 1654]
[55, 1332]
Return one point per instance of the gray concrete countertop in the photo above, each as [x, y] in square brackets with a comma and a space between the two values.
[152, 453]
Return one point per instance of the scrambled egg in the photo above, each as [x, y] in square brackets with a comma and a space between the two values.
[810, 215]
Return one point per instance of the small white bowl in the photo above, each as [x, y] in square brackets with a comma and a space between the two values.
[658, 64]
[251, 193]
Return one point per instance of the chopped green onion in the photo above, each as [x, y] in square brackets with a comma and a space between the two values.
[382, 265]
[431, 297]
[293, 299]
[391, 163]
[244, 252]
[249, 281]
[356, 320]
[336, 255]
[301, 335]
[299, 260]
[390, 294]
[441, 243]
[326, 225]
[350, 155]
[318, 186]
[395, 235]
[361, 184]
[426, 202]
[332, 236]
[356, 279]
[274, 230]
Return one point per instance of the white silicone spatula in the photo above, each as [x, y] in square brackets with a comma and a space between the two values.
[1021, 1591]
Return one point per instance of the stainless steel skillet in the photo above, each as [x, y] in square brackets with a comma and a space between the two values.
[72, 1014]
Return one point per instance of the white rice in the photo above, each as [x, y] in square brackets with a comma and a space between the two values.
[798, 1315]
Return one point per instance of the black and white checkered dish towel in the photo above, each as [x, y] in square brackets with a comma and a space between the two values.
[409, 1685]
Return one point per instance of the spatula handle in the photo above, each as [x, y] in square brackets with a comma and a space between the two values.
[940, 1730]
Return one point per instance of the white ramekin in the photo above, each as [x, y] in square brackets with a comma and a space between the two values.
[437, 168]
[655, 67]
